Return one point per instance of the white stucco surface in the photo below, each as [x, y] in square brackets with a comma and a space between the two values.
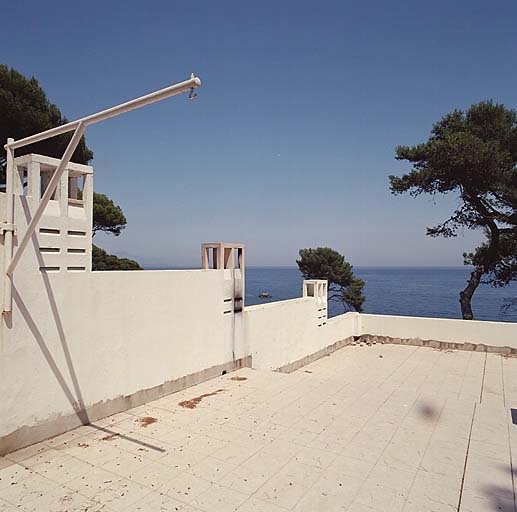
[77, 339]
[91, 337]
[497, 334]
[280, 333]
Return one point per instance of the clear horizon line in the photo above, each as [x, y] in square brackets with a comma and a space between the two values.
[190, 267]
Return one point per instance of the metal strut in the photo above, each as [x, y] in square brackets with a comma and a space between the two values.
[78, 127]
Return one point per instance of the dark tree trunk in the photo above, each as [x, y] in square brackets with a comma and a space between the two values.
[491, 256]
[468, 292]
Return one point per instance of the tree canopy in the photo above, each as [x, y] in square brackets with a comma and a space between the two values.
[101, 260]
[326, 263]
[472, 154]
[107, 216]
[26, 110]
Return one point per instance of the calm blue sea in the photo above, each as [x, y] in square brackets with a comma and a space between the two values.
[412, 291]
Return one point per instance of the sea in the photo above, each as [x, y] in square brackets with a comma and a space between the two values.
[410, 291]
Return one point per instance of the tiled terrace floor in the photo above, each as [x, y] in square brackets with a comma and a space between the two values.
[382, 428]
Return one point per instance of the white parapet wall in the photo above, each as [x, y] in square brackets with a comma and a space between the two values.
[288, 334]
[281, 333]
[85, 341]
[493, 334]
[77, 345]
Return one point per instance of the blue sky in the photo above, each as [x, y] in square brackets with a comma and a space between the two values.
[292, 136]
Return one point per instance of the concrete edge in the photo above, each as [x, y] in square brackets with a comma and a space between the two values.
[436, 344]
[304, 361]
[370, 339]
[47, 429]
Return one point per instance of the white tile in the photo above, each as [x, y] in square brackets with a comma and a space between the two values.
[352, 467]
[13, 474]
[219, 498]
[27, 489]
[154, 475]
[486, 502]
[211, 469]
[361, 507]
[363, 449]
[440, 489]
[156, 502]
[379, 497]
[266, 463]
[283, 447]
[27, 452]
[237, 453]
[286, 488]
[92, 452]
[244, 479]
[393, 478]
[206, 445]
[332, 482]
[182, 459]
[316, 500]
[444, 458]
[315, 457]
[94, 482]
[487, 476]
[126, 464]
[184, 487]
[46, 455]
[62, 469]
[123, 494]
[61, 499]
[5, 462]
[7, 507]
[402, 455]
[63, 440]
[256, 505]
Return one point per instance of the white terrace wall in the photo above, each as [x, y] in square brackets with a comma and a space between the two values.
[80, 345]
[494, 334]
[280, 334]
[289, 333]
[286, 335]
[88, 341]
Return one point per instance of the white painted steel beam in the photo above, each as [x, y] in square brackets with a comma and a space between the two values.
[192, 83]
[9, 234]
[78, 127]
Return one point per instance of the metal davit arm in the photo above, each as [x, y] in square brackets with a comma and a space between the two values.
[78, 127]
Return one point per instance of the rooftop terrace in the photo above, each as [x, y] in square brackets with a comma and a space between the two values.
[384, 427]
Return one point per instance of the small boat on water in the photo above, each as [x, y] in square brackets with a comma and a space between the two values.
[264, 295]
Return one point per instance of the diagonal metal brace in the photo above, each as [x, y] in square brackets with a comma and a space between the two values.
[72, 145]
[78, 128]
